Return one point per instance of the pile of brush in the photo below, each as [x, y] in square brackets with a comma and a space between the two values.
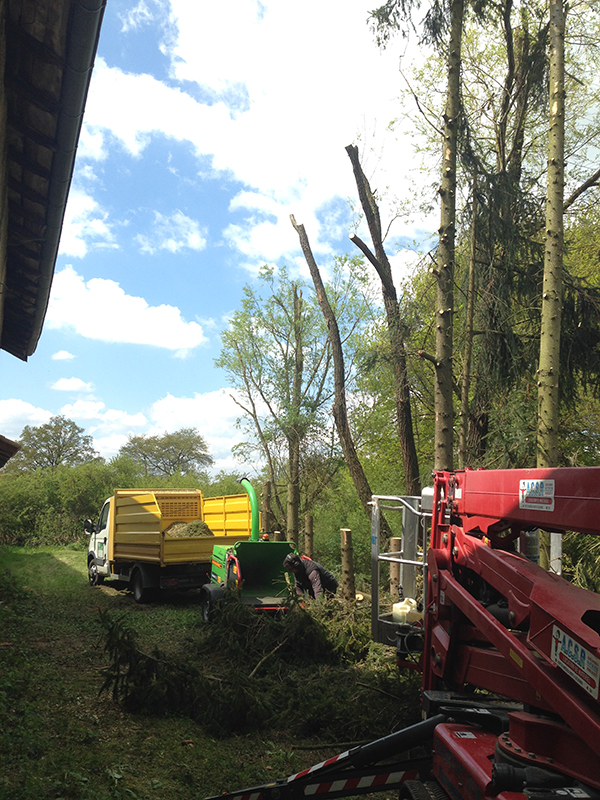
[311, 672]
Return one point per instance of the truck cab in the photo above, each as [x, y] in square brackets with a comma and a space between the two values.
[98, 564]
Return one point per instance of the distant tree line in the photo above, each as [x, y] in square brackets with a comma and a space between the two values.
[57, 479]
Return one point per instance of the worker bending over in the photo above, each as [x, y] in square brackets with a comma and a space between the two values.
[310, 576]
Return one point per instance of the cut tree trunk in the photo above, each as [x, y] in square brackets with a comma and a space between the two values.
[549, 363]
[340, 413]
[383, 268]
[444, 411]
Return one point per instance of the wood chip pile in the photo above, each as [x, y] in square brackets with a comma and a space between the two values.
[188, 530]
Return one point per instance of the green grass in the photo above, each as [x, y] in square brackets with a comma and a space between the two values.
[60, 739]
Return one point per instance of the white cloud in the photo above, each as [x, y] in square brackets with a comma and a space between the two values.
[83, 409]
[109, 446]
[76, 304]
[92, 144]
[131, 107]
[72, 385]
[109, 428]
[270, 117]
[85, 225]
[136, 17]
[174, 233]
[214, 414]
[15, 414]
[62, 355]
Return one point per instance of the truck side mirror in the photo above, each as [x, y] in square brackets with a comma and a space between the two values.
[88, 526]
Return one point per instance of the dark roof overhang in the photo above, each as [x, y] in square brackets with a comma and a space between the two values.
[7, 449]
[50, 50]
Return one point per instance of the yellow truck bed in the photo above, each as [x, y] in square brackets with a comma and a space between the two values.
[141, 517]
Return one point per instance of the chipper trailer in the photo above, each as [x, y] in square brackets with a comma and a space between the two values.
[253, 567]
[509, 656]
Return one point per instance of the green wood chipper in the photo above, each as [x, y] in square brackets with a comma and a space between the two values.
[252, 568]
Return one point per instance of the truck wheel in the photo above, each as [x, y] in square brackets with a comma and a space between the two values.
[140, 593]
[93, 576]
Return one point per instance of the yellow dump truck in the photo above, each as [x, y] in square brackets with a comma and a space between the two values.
[163, 538]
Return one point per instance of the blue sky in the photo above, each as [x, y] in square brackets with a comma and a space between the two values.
[207, 125]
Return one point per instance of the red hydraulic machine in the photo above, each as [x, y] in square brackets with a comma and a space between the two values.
[509, 655]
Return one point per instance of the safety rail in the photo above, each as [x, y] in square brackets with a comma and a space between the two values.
[415, 513]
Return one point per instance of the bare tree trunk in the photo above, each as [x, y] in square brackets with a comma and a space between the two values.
[340, 413]
[444, 411]
[466, 376]
[382, 265]
[348, 585]
[292, 513]
[293, 493]
[267, 513]
[549, 363]
[308, 534]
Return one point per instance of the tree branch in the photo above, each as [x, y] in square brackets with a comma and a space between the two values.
[593, 181]
[427, 357]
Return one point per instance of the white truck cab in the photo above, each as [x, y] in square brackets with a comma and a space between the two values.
[98, 564]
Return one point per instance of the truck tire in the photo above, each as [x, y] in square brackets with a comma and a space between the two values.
[94, 578]
[140, 593]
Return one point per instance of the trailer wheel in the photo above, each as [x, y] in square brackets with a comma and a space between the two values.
[140, 593]
[210, 596]
[94, 578]
[206, 606]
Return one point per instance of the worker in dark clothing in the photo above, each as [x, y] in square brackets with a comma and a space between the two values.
[310, 577]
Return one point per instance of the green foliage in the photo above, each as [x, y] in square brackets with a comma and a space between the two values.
[49, 506]
[339, 507]
[373, 407]
[277, 357]
[580, 432]
[223, 484]
[503, 136]
[59, 442]
[182, 452]
[581, 560]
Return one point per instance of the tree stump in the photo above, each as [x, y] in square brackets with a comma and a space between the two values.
[348, 586]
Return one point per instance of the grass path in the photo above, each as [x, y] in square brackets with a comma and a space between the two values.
[59, 739]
